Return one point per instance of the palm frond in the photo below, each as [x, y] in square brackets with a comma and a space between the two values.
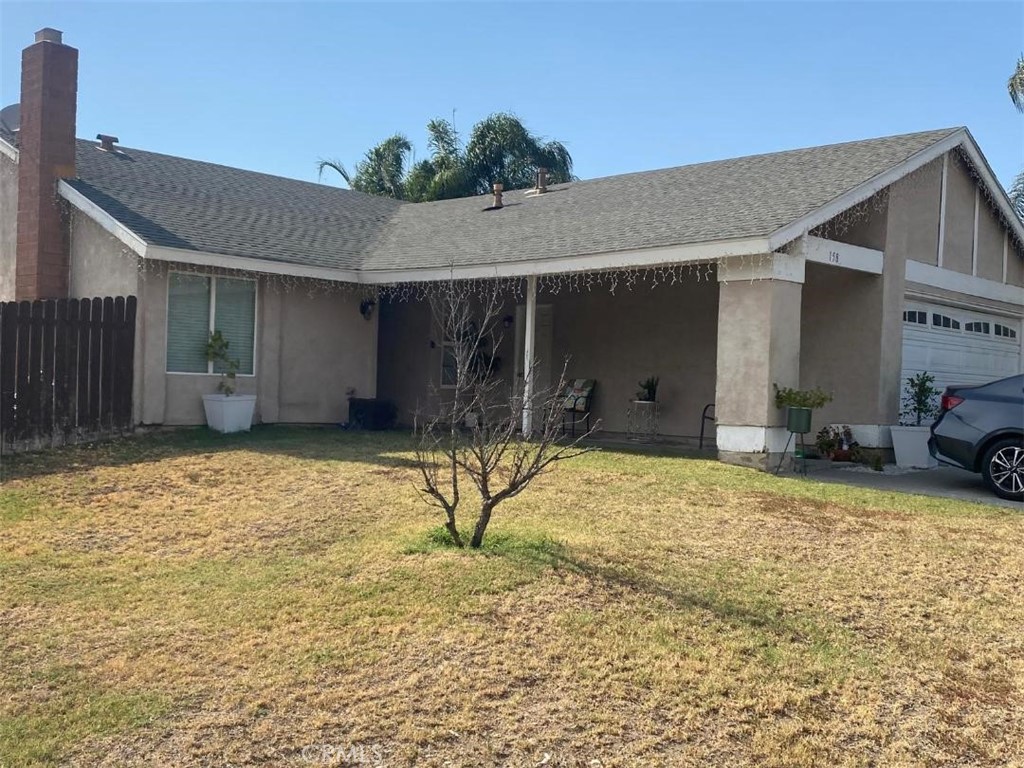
[1016, 194]
[1015, 85]
[333, 165]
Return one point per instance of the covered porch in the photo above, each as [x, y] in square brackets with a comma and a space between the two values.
[714, 333]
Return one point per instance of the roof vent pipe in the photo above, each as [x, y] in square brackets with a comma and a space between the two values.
[498, 187]
[542, 180]
[107, 142]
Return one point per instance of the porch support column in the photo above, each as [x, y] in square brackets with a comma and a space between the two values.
[528, 353]
[758, 345]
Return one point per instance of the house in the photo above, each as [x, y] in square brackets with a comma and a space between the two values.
[847, 267]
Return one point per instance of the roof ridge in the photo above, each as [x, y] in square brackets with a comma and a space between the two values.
[273, 176]
[940, 133]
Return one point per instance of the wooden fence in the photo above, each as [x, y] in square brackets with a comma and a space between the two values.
[66, 370]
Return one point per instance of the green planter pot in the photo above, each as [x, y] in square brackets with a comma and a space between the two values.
[798, 420]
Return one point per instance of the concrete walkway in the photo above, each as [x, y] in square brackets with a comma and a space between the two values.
[945, 482]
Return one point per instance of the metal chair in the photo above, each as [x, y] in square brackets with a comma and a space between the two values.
[576, 406]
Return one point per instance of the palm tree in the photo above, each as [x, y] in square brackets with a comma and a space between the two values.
[381, 171]
[1015, 87]
[500, 148]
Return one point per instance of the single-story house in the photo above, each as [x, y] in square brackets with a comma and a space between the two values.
[847, 267]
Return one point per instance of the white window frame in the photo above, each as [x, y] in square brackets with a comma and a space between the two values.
[1008, 334]
[446, 344]
[984, 329]
[212, 310]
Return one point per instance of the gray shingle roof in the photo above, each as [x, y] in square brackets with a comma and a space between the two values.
[171, 201]
[739, 198]
[179, 203]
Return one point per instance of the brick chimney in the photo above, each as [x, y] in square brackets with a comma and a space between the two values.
[46, 153]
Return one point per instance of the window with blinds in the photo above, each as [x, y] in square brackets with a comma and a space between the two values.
[197, 305]
[235, 317]
[188, 323]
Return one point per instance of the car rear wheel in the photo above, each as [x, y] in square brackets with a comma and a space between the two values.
[1003, 469]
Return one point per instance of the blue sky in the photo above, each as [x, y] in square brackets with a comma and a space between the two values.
[274, 87]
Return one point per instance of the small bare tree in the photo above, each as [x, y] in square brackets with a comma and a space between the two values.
[475, 432]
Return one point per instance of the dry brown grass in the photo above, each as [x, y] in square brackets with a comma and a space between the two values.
[188, 600]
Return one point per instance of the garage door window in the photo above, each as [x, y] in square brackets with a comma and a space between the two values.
[913, 316]
[1005, 332]
[977, 328]
[945, 321]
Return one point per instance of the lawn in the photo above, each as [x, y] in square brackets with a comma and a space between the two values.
[284, 598]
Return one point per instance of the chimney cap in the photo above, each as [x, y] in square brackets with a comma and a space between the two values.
[50, 35]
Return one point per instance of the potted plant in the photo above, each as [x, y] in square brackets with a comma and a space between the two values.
[835, 443]
[799, 405]
[648, 392]
[918, 408]
[226, 411]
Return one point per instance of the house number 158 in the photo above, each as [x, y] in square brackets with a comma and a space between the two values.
[833, 257]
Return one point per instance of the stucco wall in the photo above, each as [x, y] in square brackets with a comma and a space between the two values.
[990, 243]
[8, 225]
[959, 230]
[841, 333]
[326, 348]
[312, 346]
[759, 341]
[617, 339]
[1015, 266]
[919, 203]
[100, 264]
[668, 331]
[863, 225]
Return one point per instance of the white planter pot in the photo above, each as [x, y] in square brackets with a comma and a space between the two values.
[229, 413]
[910, 444]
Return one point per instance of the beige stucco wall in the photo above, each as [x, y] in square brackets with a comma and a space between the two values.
[326, 349]
[959, 229]
[990, 243]
[919, 194]
[312, 346]
[841, 350]
[617, 339]
[863, 225]
[8, 225]
[759, 339]
[1015, 265]
[100, 264]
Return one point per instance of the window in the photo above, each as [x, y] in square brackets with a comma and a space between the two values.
[945, 321]
[913, 316]
[449, 367]
[1005, 332]
[976, 327]
[197, 305]
[480, 362]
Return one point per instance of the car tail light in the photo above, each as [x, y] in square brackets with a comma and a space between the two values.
[949, 402]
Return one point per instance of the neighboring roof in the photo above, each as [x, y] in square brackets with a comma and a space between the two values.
[213, 210]
[177, 203]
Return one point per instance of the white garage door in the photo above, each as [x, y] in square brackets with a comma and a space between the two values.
[959, 346]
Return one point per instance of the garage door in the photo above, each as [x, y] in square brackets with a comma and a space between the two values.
[959, 346]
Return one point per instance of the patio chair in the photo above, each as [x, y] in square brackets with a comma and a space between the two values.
[576, 405]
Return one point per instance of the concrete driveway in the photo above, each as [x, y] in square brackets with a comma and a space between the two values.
[946, 482]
